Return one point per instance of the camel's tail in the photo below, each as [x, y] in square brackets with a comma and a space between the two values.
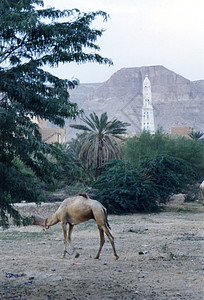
[106, 217]
[104, 209]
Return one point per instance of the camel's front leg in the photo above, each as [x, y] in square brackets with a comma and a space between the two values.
[76, 254]
[64, 230]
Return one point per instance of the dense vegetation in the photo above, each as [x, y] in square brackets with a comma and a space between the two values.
[32, 37]
[124, 187]
[148, 170]
[99, 142]
[153, 168]
[146, 145]
[163, 165]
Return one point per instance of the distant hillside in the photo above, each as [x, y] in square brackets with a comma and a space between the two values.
[177, 101]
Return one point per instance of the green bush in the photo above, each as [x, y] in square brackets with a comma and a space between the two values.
[17, 183]
[122, 189]
[169, 174]
[189, 150]
[72, 169]
[126, 188]
[146, 145]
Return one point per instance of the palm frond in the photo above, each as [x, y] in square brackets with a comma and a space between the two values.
[99, 143]
[95, 120]
[89, 122]
[80, 127]
[103, 122]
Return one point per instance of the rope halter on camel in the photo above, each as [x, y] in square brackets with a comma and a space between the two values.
[46, 226]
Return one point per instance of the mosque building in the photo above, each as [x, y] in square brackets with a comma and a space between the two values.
[147, 108]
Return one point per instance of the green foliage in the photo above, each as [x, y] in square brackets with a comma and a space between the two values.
[99, 142]
[196, 135]
[154, 167]
[32, 37]
[146, 145]
[168, 173]
[189, 150]
[72, 170]
[123, 189]
[17, 183]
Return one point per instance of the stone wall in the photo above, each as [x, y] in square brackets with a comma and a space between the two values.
[44, 210]
[182, 130]
[53, 135]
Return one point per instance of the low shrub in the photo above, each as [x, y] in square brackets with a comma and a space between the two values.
[169, 174]
[122, 189]
[126, 188]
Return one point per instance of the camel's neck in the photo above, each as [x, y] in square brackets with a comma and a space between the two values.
[50, 221]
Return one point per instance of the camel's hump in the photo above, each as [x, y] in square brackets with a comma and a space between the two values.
[83, 195]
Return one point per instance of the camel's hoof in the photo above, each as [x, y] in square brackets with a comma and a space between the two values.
[97, 257]
[76, 255]
[63, 255]
[116, 257]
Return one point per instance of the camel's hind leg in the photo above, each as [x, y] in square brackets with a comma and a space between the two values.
[102, 241]
[111, 239]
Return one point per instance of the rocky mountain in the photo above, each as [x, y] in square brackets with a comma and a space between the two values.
[177, 101]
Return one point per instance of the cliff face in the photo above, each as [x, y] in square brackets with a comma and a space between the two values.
[177, 101]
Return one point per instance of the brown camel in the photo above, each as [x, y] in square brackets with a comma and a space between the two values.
[77, 210]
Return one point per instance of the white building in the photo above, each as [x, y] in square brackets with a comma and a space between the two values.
[147, 108]
[51, 135]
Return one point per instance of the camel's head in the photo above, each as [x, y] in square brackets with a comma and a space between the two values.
[32, 220]
[37, 220]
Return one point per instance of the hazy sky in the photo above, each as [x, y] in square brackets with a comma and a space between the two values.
[143, 33]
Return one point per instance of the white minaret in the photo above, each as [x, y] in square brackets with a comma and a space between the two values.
[147, 108]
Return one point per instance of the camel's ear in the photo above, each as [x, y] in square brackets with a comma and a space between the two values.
[83, 195]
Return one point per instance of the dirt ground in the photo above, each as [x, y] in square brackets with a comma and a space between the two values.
[161, 257]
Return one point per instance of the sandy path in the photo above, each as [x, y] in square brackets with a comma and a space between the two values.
[161, 257]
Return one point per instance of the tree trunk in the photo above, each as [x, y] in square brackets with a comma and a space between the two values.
[99, 159]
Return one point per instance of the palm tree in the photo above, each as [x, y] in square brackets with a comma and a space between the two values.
[196, 135]
[99, 142]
